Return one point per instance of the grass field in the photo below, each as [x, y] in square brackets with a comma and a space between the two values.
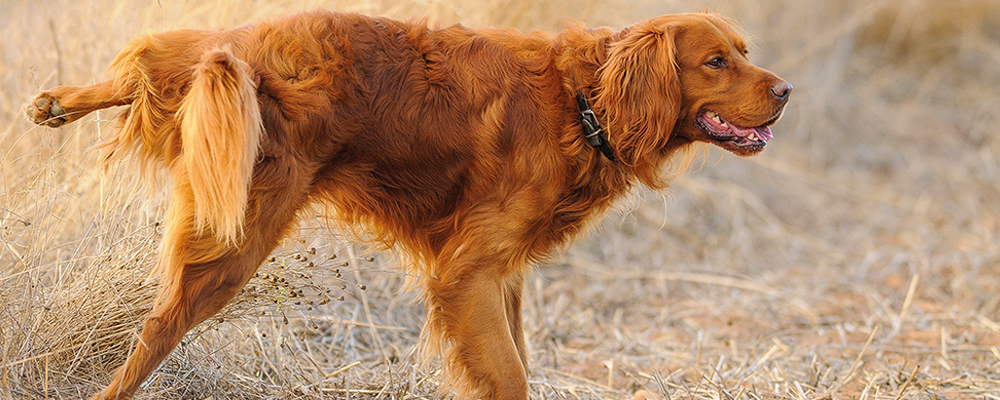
[857, 258]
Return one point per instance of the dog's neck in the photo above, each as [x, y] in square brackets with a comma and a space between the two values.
[580, 54]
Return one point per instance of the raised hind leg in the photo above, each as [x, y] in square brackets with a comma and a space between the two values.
[64, 104]
[200, 275]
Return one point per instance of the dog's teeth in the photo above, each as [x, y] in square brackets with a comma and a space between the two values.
[753, 136]
[715, 117]
[724, 125]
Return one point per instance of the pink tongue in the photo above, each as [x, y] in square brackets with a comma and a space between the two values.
[763, 133]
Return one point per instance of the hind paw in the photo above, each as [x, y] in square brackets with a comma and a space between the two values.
[45, 110]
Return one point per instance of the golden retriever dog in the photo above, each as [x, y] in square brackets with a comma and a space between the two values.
[478, 152]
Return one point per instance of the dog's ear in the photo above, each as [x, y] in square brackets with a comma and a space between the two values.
[639, 94]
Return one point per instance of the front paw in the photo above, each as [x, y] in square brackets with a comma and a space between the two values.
[45, 110]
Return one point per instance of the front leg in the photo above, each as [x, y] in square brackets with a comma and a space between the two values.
[512, 292]
[65, 104]
[471, 310]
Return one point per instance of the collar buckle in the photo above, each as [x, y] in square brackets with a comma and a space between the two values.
[592, 130]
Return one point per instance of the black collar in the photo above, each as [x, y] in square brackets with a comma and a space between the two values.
[592, 130]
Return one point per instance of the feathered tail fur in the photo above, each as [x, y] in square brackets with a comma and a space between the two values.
[221, 131]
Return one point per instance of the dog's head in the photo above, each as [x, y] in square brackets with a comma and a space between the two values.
[685, 78]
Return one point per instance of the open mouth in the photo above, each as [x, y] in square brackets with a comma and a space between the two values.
[740, 140]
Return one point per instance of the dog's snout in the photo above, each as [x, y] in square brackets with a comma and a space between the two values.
[781, 90]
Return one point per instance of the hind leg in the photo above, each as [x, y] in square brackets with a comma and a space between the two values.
[200, 275]
[65, 104]
[201, 291]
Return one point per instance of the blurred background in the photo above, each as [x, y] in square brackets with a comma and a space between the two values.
[857, 257]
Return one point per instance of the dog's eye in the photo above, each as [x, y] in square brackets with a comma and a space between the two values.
[717, 62]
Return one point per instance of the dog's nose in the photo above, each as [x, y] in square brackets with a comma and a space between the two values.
[781, 90]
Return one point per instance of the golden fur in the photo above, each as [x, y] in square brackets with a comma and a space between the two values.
[462, 147]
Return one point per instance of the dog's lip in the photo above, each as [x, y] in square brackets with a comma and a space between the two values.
[720, 130]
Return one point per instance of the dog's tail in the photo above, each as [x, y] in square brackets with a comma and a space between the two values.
[221, 131]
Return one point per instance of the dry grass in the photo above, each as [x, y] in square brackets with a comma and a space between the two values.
[857, 258]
